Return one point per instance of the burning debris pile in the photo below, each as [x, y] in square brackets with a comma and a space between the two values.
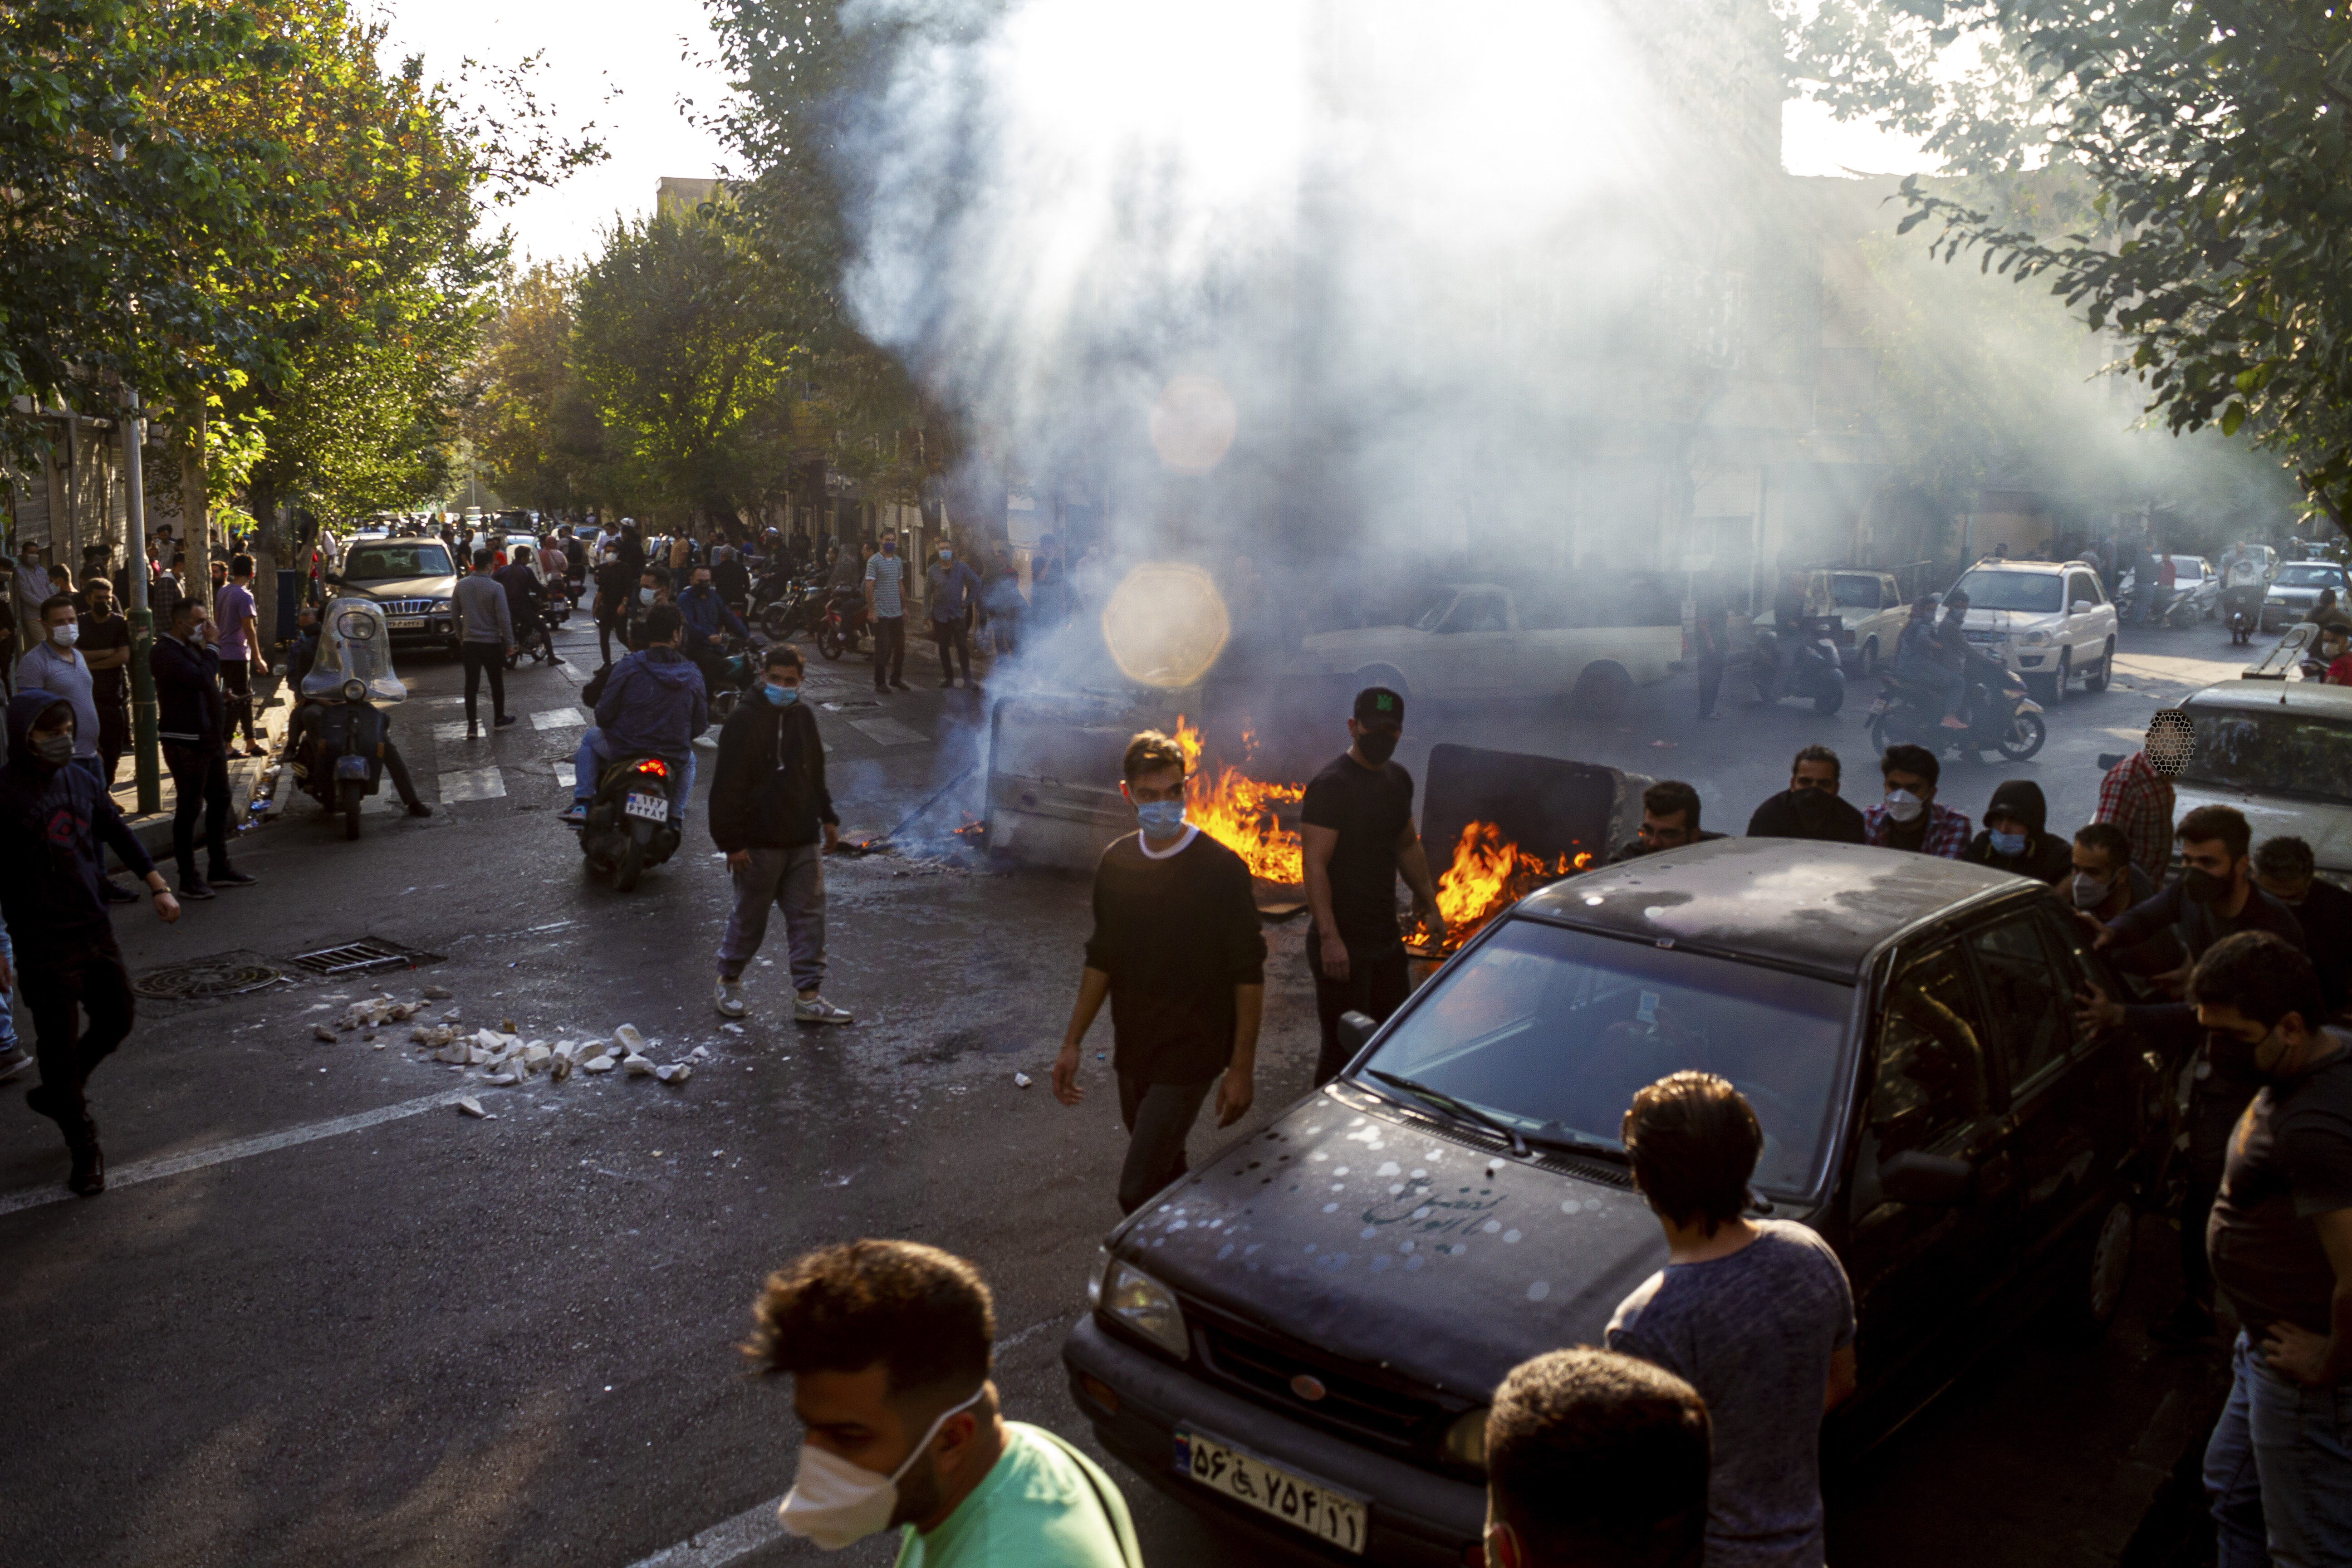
[1486, 875]
[500, 1056]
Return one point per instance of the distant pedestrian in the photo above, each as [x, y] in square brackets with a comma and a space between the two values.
[772, 816]
[955, 591]
[105, 646]
[486, 634]
[886, 611]
[2014, 838]
[1005, 607]
[1595, 1460]
[232, 613]
[56, 665]
[1810, 807]
[2278, 1468]
[1710, 639]
[191, 723]
[1178, 951]
[1910, 817]
[1754, 1314]
[1357, 834]
[889, 1345]
[2138, 799]
[54, 817]
[1670, 814]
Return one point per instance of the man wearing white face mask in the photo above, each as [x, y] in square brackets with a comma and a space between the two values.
[1910, 817]
[888, 1344]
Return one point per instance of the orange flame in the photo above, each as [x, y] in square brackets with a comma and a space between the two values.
[1238, 812]
[1487, 876]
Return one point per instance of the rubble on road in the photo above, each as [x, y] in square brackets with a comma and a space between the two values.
[502, 1058]
[471, 1106]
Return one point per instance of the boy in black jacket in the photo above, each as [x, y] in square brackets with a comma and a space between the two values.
[769, 810]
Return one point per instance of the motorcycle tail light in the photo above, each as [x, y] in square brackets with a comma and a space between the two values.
[654, 767]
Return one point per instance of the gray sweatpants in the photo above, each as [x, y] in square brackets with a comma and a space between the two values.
[793, 881]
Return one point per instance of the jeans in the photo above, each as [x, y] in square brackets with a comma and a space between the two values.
[60, 983]
[480, 657]
[890, 649]
[200, 787]
[791, 880]
[114, 736]
[1375, 987]
[588, 766]
[949, 635]
[1941, 680]
[2279, 1469]
[1159, 1118]
[8, 996]
[1710, 681]
[237, 684]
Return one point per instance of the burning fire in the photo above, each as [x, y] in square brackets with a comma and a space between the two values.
[1237, 811]
[1488, 874]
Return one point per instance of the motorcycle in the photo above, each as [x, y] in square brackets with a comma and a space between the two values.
[790, 607]
[629, 827]
[1811, 667]
[2241, 606]
[340, 761]
[726, 677]
[2001, 718]
[844, 623]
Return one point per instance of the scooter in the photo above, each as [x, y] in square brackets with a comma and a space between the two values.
[726, 679]
[841, 628]
[629, 827]
[340, 762]
[2241, 606]
[2001, 718]
[1808, 667]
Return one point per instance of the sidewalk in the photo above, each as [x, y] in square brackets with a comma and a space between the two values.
[153, 829]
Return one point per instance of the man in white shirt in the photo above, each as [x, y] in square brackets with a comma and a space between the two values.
[886, 609]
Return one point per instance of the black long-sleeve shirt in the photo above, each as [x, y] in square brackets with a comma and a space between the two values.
[2199, 927]
[1176, 936]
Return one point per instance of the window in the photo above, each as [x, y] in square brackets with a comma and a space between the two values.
[1854, 591]
[377, 563]
[1931, 1071]
[2276, 750]
[1478, 613]
[2035, 593]
[2081, 588]
[2026, 994]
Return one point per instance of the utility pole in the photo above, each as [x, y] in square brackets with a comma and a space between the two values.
[142, 619]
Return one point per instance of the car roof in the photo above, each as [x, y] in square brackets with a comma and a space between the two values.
[2010, 563]
[1790, 903]
[2303, 696]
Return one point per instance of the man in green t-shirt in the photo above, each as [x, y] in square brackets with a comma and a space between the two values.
[888, 1347]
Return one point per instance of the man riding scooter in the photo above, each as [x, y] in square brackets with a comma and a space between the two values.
[652, 705]
[708, 622]
[1977, 672]
[1922, 660]
[300, 660]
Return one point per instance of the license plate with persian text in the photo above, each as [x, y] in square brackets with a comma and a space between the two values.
[1336, 1518]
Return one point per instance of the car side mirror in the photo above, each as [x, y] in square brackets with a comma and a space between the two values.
[1912, 1177]
[2079, 607]
[1356, 1029]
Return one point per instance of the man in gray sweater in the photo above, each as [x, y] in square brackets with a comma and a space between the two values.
[486, 631]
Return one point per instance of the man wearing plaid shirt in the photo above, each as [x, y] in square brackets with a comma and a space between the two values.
[2138, 801]
[1909, 818]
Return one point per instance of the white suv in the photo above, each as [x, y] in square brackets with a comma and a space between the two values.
[2049, 621]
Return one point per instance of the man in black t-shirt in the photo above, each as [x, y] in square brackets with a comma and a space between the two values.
[105, 644]
[2281, 1241]
[1356, 826]
[1177, 950]
[1810, 807]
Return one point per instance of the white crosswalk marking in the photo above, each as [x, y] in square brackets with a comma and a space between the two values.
[889, 732]
[566, 775]
[473, 784]
[559, 719]
[449, 730]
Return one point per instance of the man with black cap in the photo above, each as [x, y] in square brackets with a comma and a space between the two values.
[1810, 807]
[1356, 826]
[2013, 838]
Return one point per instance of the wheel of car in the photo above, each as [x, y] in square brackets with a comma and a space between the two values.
[1869, 660]
[2058, 682]
[1603, 689]
[2096, 678]
[2094, 1281]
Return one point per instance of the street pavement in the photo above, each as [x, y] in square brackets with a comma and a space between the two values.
[324, 1316]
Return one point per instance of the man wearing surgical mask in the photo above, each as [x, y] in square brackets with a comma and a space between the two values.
[2014, 841]
[888, 1345]
[772, 815]
[2280, 1241]
[1178, 952]
[1910, 817]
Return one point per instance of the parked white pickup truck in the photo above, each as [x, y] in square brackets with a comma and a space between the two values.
[1475, 642]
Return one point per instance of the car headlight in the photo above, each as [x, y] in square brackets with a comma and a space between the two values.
[2036, 640]
[1134, 1298]
[441, 607]
[1465, 1440]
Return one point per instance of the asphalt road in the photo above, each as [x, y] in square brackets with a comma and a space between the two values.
[316, 1323]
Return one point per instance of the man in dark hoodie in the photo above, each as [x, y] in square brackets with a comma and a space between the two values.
[2013, 838]
[192, 721]
[1810, 807]
[652, 703]
[769, 809]
[52, 818]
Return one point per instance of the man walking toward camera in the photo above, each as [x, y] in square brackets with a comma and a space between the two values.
[886, 610]
[889, 1345]
[1755, 1314]
[1177, 950]
[769, 810]
[1356, 828]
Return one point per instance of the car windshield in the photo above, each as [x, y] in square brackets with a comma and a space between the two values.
[378, 561]
[1852, 593]
[1428, 610]
[1551, 1032]
[2311, 577]
[2276, 750]
[2034, 591]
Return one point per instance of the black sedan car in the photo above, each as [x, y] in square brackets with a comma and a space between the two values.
[1302, 1336]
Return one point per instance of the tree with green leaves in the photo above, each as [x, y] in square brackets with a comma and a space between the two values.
[532, 422]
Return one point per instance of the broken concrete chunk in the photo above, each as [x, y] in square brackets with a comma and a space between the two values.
[629, 1041]
[1021, 1081]
[320, 1032]
[437, 993]
[699, 1054]
[456, 1054]
[674, 1074]
[537, 1054]
[450, 1016]
[400, 1012]
[559, 1069]
[471, 1106]
[594, 1051]
[731, 1028]
[601, 1064]
[503, 1079]
[637, 1065]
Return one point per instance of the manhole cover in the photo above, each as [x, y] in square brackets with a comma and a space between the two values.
[358, 957]
[223, 975]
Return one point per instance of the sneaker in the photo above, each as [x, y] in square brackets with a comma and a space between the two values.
[503, 720]
[1956, 722]
[230, 878]
[196, 887]
[116, 893]
[728, 998]
[817, 1010]
[902, 686]
[14, 1061]
[89, 1177]
[575, 815]
[420, 809]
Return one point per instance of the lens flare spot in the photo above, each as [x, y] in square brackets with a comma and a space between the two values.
[1165, 624]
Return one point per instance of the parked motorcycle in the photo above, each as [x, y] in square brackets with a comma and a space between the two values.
[796, 607]
[340, 760]
[1809, 667]
[2002, 718]
[629, 827]
[843, 624]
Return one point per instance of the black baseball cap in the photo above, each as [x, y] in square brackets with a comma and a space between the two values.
[1379, 705]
